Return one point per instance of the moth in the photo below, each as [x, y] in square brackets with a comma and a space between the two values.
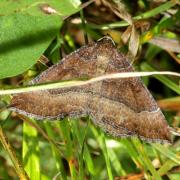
[121, 107]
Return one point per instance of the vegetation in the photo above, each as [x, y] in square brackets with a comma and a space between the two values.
[146, 31]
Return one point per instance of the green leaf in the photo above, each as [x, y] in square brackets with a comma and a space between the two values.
[32, 7]
[26, 32]
[23, 39]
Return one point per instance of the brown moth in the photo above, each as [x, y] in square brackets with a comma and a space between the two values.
[121, 107]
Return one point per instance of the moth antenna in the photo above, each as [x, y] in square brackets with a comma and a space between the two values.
[107, 37]
[174, 131]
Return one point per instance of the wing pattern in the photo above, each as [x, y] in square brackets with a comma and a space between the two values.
[121, 107]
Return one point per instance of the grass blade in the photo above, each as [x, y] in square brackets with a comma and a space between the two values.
[101, 139]
[166, 81]
[30, 152]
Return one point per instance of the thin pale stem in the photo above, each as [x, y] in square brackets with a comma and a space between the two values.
[68, 84]
[9, 149]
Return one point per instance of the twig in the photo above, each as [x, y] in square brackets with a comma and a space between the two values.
[174, 56]
[67, 84]
[17, 164]
[41, 131]
[84, 26]
[146, 15]
[81, 7]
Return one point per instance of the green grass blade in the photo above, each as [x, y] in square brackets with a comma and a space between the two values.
[145, 15]
[156, 10]
[147, 162]
[64, 126]
[30, 152]
[115, 162]
[80, 133]
[132, 152]
[168, 165]
[56, 156]
[167, 153]
[166, 81]
[101, 140]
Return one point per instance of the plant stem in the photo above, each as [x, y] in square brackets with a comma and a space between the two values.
[145, 15]
[67, 84]
[17, 164]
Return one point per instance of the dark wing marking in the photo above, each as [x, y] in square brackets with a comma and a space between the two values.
[122, 107]
[42, 105]
[130, 104]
